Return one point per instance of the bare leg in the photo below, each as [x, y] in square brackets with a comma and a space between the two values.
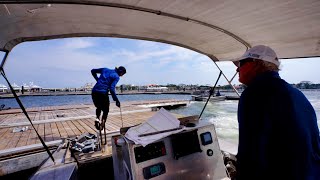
[97, 122]
[103, 123]
[104, 116]
[105, 134]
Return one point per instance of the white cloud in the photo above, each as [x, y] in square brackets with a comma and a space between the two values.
[159, 55]
[147, 44]
[68, 62]
[77, 43]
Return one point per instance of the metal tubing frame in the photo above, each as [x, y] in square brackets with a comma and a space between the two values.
[229, 81]
[4, 59]
[21, 105]
[211, 92]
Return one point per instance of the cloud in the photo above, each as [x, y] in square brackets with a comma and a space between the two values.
[67, 63]
[147, 45]
[160, 55]
[77, 43]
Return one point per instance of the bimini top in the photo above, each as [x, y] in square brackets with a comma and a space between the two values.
[221, 29]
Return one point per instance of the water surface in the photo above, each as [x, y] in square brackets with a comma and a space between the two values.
[223, 114]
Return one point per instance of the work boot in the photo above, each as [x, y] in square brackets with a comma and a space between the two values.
[97, 124]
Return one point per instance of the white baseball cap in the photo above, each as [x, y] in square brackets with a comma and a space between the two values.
[261, 52]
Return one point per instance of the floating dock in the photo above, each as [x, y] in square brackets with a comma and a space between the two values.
[57, 122]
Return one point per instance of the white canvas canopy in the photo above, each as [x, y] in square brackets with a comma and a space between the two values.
[221, 29]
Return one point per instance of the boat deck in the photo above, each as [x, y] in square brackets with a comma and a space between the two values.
[58, 122]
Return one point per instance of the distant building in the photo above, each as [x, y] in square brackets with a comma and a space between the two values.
[34, 88]
[16, 88]
[304, 84]
[3, 88]
[156, 88]
[31, 87]
[87, 87]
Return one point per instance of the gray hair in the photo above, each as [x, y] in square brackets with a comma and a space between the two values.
[268, 66]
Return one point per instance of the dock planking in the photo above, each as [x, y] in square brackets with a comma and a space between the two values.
[75, 120]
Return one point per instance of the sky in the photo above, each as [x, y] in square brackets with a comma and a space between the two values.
[67, 63]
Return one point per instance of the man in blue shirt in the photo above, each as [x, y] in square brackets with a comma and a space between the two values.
[106, 82]
[278, 130]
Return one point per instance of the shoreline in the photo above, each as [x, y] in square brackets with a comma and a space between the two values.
[9, 95]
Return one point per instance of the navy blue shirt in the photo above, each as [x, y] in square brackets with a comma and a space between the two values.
[107, 81]
[278, 132]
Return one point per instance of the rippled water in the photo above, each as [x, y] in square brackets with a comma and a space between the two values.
[223, 114]
[41, 101]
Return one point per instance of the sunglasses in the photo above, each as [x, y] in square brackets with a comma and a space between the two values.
[243, 62]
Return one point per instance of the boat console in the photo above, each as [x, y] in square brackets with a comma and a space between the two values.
[191, 154]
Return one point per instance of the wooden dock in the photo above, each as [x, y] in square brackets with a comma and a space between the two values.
[58, 122]
[20, 148]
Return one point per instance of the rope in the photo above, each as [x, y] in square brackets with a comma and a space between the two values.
[121, 117]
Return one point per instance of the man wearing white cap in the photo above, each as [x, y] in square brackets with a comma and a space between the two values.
[278, 131]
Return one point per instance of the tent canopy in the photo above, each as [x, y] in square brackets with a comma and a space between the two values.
[220, 29]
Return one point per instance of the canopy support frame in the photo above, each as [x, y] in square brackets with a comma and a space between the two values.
[229, 81]
[22, 106]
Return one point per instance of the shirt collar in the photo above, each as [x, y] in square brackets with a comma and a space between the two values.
[265, 75]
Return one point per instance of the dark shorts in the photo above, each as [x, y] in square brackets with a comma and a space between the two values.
[101, 101]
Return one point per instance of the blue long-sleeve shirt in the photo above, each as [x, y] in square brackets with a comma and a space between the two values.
[107, 81]
[278, 132]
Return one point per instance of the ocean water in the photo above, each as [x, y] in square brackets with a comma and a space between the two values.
[223, 114]
[41, 101]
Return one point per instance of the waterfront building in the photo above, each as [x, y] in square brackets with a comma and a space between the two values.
[3, 88]
[16, 88]
[87, 87]
[156, 88]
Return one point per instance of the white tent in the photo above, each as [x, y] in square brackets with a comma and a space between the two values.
[3, 88]
[16, 87]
